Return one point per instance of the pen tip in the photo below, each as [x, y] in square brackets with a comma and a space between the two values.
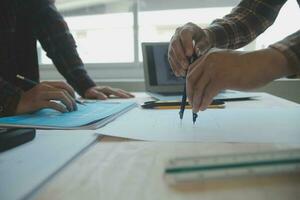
[180, 115]
[195, 115]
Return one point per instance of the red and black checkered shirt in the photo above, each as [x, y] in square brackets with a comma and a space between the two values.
[22, 23]
[248, 20]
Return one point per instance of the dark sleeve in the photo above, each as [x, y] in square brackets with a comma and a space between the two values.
[56, 39]
[246, 21]
[9, 98]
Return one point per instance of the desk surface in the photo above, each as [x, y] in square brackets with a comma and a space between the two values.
[134, 170]
[116, 168]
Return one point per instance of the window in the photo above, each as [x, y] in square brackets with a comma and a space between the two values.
[159, 26]
[282, 27]
[103, 33]
[109, 33]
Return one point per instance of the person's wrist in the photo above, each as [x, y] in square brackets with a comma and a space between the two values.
[87, 91]
[282, 62]
[277, 63]
[210, 37]
[270, 63]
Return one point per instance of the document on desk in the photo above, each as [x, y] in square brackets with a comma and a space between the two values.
[255, 125]
[89, 116]
[25, 168]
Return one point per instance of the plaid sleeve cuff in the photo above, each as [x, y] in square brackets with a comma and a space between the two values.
[290, 47]
[218, 37]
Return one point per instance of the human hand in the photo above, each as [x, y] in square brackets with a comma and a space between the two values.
[226, 69]
[188, 40]
[103, 92]
[45, 95]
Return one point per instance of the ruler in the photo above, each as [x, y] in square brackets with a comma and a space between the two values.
[229, 166]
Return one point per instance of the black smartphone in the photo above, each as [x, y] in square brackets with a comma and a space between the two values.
[12, 137]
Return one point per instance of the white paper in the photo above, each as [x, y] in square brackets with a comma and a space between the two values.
[26, 167]
[255, 125]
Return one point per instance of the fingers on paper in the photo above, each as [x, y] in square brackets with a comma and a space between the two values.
[54, 105]
[61, 85]
[62, 97]
[45, 92]
[95, 94]
[115, 91]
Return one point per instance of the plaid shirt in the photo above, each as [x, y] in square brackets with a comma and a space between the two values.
[22, 23]
[249, 19]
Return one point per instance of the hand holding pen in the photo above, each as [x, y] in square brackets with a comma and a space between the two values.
[46, 95]
[187, 41]
[184, 97]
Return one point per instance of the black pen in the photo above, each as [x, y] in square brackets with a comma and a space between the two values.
[35, 83]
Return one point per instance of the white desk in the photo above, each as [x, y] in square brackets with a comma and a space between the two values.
[116, 168]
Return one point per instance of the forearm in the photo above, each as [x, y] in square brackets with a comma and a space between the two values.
[245, 22]
[9, 98]
[56, 39]
[279, 60]
[263, 66]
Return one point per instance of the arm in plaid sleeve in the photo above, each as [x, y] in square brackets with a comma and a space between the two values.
[245, 22]
[249, 19]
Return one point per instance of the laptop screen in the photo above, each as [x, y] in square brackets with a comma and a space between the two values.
[159, 76]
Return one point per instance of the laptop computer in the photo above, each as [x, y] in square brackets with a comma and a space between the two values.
[160, 81]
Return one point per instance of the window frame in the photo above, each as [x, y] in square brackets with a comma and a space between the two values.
[112, 71]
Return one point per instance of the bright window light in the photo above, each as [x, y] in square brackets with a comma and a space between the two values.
[109, 36]
[159, 26]
[106, 38]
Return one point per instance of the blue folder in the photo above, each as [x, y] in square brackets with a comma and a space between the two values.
[89, 116]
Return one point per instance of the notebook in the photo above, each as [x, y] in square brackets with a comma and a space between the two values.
[92, 115]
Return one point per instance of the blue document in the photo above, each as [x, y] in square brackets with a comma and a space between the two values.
[88, 116]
